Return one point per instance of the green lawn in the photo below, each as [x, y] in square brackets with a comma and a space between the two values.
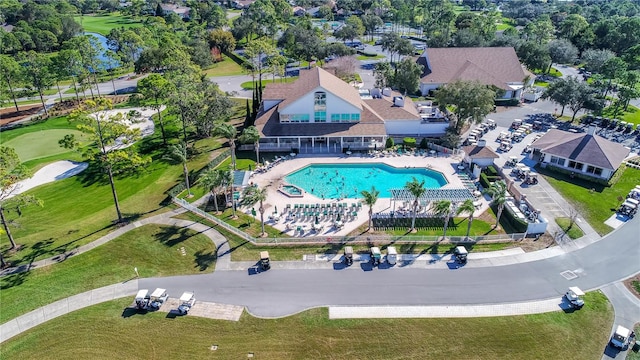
[245, 251]
[80, 209]
[573, 231]
[632, 115]
[10, 104]
[36, 145]
[249, 85]
[104, 23]
[541, 83]
[595, 202]
[107, 331]
[365, 57]
[226, 67]
[153, 249]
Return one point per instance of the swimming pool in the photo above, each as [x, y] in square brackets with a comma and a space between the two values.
[334, 181]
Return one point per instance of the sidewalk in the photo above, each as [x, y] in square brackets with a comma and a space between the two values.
[454, 311]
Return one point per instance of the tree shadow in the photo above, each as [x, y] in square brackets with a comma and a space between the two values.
[171, 236]
[205, 259]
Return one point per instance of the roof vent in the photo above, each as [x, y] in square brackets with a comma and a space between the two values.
[386, 91]
[398, 101]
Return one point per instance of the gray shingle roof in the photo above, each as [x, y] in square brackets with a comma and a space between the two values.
[489, 65]
[582, 147]
[479, 152]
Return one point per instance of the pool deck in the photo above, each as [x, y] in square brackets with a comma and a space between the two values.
[274, 178]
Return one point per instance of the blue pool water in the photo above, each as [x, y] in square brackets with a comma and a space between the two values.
[348, 180]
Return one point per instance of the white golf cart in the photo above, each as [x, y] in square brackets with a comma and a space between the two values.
[187, 300]
[158, 297]
[622, 338]
[142, 299]
[505, 145]
[513, 160]
[375, 254]
[460, 253]
[574, 297]
[392, 255]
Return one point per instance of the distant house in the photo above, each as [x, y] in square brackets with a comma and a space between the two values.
[182, 11]
[299, 11]
[242, 4]
[497, 66]
[479, 155]
[583, 153]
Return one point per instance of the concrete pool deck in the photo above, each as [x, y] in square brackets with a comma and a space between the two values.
[274, 178]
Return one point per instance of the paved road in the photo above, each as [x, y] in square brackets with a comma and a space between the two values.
[282, 292]
[627, 311]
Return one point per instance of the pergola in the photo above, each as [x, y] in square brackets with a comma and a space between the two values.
[431, 195]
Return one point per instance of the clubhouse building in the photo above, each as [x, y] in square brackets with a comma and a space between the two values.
[320, 113]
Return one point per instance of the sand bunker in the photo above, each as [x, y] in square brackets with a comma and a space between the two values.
[56, 171]
[142, 122]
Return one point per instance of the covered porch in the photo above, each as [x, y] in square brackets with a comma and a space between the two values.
[320, 144]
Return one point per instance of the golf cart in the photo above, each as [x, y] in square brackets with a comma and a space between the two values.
[460, 253]
[531, 179]
[622, 338]
[158, 297]
[264, 261]
[629, 207]
[392, 255]
[491, 123]
[516, 124]
[187, 300]
[505, 145]
[537, 125]
[142, 299]
[348, 255]
[574, 297]
[513, 160]
[376, 256]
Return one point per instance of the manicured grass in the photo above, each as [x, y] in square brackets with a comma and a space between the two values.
[541, 83]
[249, 85]
[365, 57]
[41, 144]
[502, 26]
[458, 227]
[634, 353]
[573, 231]
[105, 331]
[104, 23]
[595, 202]
[10, 104]
[155, 250]
[632, 115]
[80, 209]
[227, 67]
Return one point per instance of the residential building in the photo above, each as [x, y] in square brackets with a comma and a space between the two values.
[582, 153]
[321, 113]
[182, 11]
[496, 66]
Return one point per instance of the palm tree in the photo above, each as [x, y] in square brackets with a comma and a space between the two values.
[370, 198]
[253, 195]
[227, 182]
[498, 193]
[179, 153]
[252, 135]
[212, 180]
[467, 207]
[443, 208]
[228, 132]
[417, 189]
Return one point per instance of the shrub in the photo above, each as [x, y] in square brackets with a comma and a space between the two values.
[424, 143]
[507, 102]
[491, 170]
[409, 142]
[577, 175]
[515, 223]
[389, 143]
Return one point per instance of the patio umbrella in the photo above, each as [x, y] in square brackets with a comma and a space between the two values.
[253, 211]
[275, 209]
[317, 221]
[338, 219]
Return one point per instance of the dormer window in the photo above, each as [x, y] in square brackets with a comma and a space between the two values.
[320, 106]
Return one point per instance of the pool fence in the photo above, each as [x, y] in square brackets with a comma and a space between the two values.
[357, 239]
